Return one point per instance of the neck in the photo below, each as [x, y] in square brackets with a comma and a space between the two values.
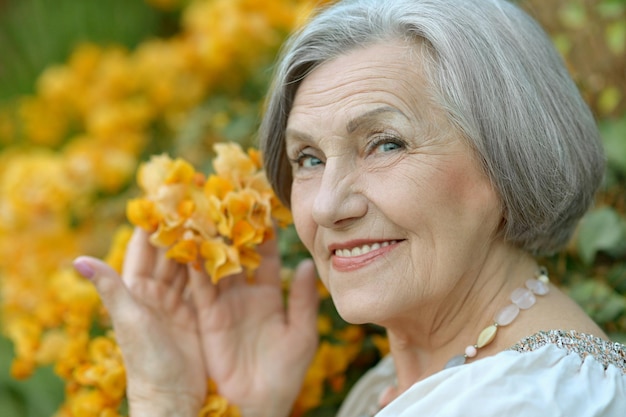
[423, 341]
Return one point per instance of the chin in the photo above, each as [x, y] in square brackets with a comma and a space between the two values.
[357, 312]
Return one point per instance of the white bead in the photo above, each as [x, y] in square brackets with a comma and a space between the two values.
[543, 278]
[506, 315]
[523, 298]
[470, 351]
[537, 287]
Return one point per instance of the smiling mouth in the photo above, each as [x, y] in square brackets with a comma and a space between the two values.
[363, 249]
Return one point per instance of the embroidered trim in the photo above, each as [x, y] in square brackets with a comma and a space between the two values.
[605, 352]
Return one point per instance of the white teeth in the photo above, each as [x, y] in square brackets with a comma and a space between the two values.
[362, 250]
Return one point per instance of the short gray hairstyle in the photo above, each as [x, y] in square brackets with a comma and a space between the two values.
[502, 84]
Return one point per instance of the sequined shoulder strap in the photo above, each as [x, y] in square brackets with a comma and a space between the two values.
[605, 352]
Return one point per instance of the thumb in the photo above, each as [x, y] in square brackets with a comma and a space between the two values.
[303, 297]
[113, 292]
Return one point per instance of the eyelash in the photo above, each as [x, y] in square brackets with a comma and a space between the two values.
[300, 157]
[383, 139]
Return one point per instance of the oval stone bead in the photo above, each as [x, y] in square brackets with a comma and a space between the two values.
[523, 298]
[486, 336]
[537, 287]
[506, 315]
[455, 361]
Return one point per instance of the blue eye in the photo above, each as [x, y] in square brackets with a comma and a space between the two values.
[308, 161]
[388, 146]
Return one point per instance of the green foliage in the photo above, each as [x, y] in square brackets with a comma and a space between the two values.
[38, 396]
[614, 137]
[602, 230]
[594, 268]
[37, 33]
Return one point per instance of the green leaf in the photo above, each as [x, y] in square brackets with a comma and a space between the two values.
[598, 300]
[573, 15]
[614, 138]
[601, 230]
[39, 396]
[617, 277]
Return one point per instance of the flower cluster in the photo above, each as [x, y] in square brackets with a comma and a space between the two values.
[218, 220]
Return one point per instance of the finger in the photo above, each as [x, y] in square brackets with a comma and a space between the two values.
[303, 298]
[165, 269]
[228, 282]
[179, 282]
[140, 257]
[203, 291]
[113, 293]
[174, 293]
[268, 271]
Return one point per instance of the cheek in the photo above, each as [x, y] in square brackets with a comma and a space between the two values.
[301, 203]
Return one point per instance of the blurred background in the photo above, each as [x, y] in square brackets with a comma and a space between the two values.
[90, 88]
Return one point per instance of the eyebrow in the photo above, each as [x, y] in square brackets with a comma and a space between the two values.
[354, 124]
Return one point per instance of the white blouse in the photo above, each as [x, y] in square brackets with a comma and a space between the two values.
[555, 373]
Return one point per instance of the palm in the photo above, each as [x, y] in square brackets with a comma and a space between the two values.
[255, 349]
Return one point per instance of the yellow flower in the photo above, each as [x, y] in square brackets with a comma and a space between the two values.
[143, 213]
[44, 122]
[159, 171]
[87, 403]
[22, 368]
[221, 260]
[232, 163]
[52, 343]
[117, 250]
[184, 251]
[35, 189]
[218, 186]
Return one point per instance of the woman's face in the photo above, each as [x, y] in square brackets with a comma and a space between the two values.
[387, 196]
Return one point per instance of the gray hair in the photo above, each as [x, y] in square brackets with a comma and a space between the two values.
[502, 84]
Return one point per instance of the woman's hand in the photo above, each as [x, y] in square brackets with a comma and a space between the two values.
[156, 328]
[256, 349]
[236, 333]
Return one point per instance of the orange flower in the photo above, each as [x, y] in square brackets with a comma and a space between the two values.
[183, 251]
[220, 259]
[218, 186]
[232, 162]
[143, 213]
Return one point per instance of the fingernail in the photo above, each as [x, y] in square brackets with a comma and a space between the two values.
[83, 268]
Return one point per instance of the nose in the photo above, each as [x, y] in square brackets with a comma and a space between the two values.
[339, 200]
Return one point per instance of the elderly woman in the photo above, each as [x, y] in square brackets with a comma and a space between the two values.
[428, 150]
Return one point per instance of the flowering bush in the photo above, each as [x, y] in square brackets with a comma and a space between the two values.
[70, 150]
[69, 155]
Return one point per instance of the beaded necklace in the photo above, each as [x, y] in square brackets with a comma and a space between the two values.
[521, 299]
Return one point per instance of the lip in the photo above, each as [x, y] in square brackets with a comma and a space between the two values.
[346, 264]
